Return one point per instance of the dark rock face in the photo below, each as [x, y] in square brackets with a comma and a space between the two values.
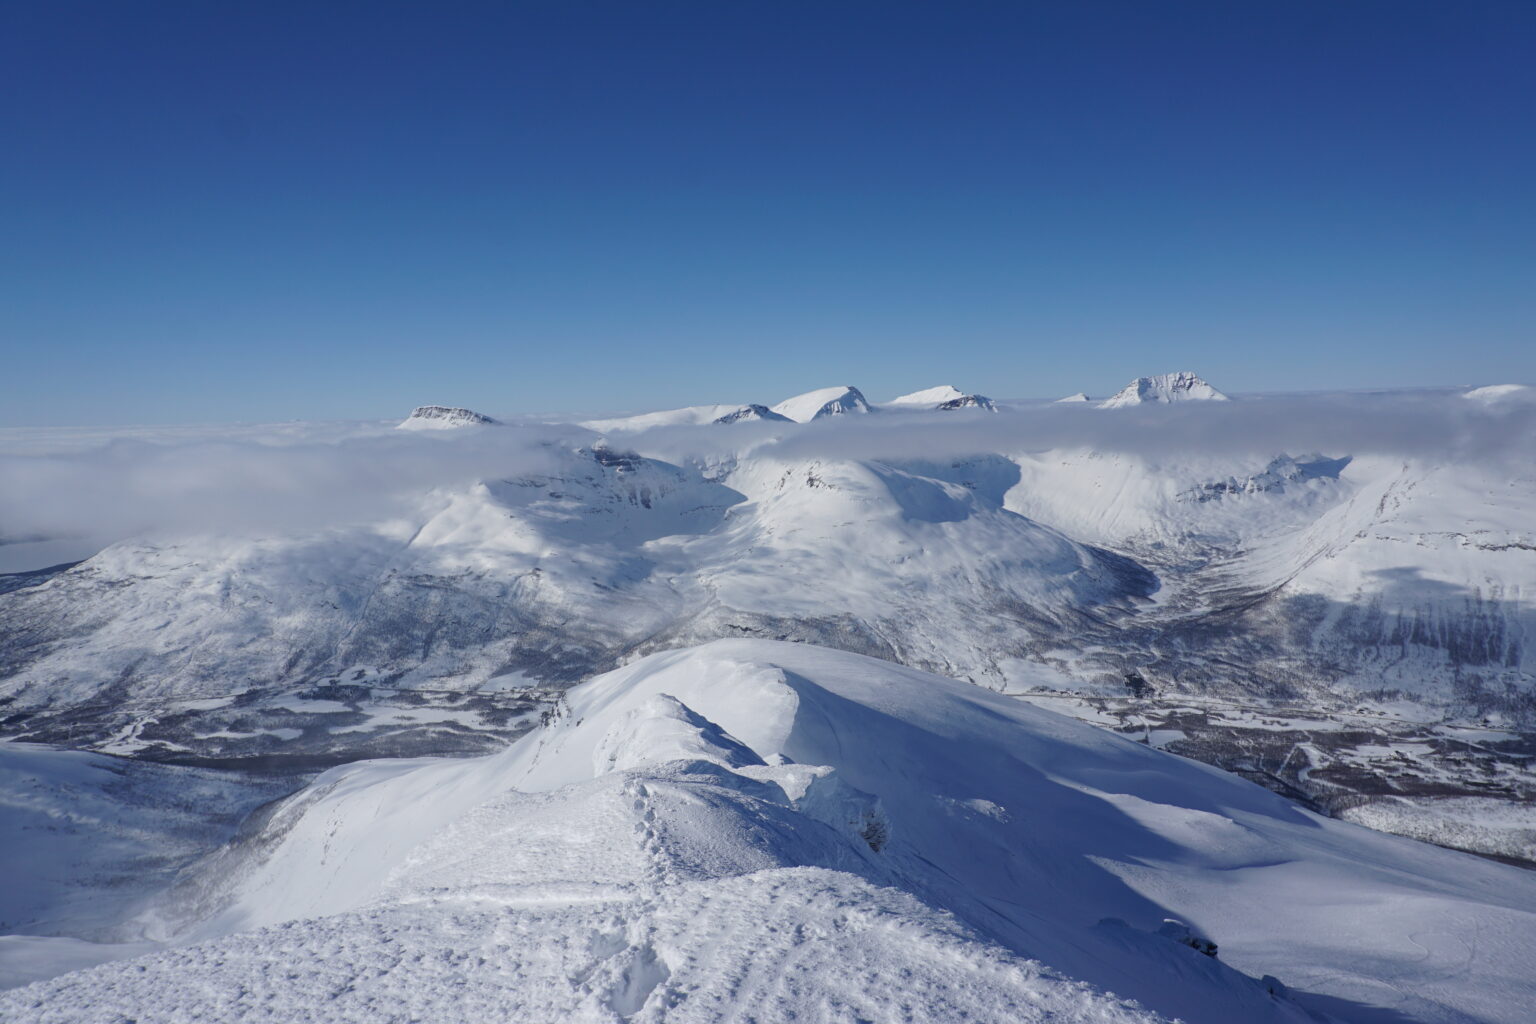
[970, 402]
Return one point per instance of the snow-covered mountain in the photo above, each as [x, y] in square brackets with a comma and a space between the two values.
[443, 417]
[544, 579]
[929, 398]
[1081, 396]
[752, 412]
[769, 831]
[814, 405]
[688, 416]
[1164, 388]
[799, 409]
[945, 396]
[1341, 619]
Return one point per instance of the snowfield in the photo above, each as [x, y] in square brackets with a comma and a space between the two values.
[754, 830]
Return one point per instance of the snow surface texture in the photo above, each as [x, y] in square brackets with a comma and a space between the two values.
[1164, 388]
[753, 830]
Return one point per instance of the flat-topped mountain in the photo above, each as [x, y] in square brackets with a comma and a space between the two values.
[444, 417]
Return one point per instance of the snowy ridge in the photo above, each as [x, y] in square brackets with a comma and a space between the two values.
[929, 398]
[814, 405]
[1164, 388]
[831, 831]
[946, 396]
[688, 416]
[751, 412]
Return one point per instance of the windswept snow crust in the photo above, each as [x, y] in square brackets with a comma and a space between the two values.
[753, 830]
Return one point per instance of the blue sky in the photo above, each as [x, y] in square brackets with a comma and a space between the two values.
[270, 211]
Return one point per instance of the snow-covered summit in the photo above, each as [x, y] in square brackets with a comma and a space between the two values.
[752, 412]
[444, 417]
[929, 398]
[945, 396]
[1081, 396]
[1164, 387]
[822, 402]
[970, 402]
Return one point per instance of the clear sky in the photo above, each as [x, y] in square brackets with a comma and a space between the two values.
[268, 210]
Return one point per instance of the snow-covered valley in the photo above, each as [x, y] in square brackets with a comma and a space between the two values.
[757, 799]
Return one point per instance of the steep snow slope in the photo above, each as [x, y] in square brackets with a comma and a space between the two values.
[754, 830]
[1163, 388]
[822, 402]
[1364, 574]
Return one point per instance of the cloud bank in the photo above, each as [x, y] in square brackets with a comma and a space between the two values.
[103, 487]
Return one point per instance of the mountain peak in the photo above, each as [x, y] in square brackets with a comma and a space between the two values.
[930, 397]
[1164, 388]
[751, 412]
[945, 396]
[1081, 396]
[813, 405]
[444, 417]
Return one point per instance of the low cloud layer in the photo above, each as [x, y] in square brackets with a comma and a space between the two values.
[120, 488]
[1429, 425]
[103, 487]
